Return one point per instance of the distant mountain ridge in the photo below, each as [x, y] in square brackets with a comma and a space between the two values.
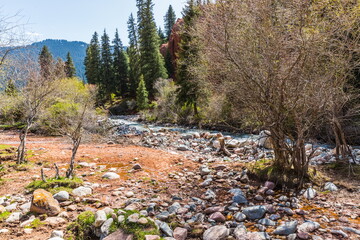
[59, 49]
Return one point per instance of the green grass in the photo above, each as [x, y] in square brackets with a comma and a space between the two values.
[4, 216]
[4, 146]
[36, 223]
[81, 229]
[55, 185]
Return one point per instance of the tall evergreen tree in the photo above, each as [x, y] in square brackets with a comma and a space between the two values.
[106, 86]
[92, 60]
[69, 66]
[162, 37]
[152, 62]
[46, 62]
[187, 57]
[142, 95]
[169, 20]
[121, 67]
[134, 56]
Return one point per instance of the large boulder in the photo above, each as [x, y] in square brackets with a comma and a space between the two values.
[43, 203]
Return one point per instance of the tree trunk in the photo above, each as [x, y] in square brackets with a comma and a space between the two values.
[21, 148]
[70, 171]
[342, 148]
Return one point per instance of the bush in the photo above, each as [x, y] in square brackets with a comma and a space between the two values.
[166, 108]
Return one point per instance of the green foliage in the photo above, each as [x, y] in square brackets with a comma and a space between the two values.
[166, 108]
[152, 62]
[55, 185]
[36, 223]
[4, 216]
[142, 95]
[46, 61]
[82, 228]
[134, 57]
[121, 67]
[169, 20]
[70, 70]
[188, 56]
[10, 89]
[92, 60]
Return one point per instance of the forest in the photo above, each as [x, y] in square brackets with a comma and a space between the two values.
[237, 120]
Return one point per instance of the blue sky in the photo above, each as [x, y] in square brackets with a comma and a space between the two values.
[76, 20]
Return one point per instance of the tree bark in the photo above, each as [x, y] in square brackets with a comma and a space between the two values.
[70, 171]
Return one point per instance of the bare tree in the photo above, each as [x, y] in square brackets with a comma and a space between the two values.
[280, 63]
[71, 110]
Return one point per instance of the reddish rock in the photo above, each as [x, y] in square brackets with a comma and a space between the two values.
[211, 210]
[217, 217]
[119, 235]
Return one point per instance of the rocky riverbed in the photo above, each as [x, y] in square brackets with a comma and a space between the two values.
[186, 189]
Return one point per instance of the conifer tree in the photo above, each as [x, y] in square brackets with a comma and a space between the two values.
[169, 20]
[60, 68]
[152, 63]
[142, 95]
[162, 37]
[188, 56]
[134, 57]
[106, 86]
[92, 61]
[46, 62]
[69, 66]
[121, 67]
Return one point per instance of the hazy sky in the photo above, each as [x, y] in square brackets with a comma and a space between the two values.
[76, 20]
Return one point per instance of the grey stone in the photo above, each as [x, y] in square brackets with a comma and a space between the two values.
[164, 227]
[62, 196]
[105, 228]
[339, 232]
[329, 186]
[133, 218]
[267, 222]
[216, 233]
[255, 212]
[174, 207]
[163, 215]
[100, 218]
[240, 232]
[310, 193]
[308, 227]
[353, 230]
[287, 228]
[14, 217]
[111, 175]
[57, 233]
[180, 233]
[82, 191]
[240, 217]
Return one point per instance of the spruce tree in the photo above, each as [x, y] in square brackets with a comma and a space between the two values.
[169, 20]
[152, 63]
[142, 95]
[106, 86]
[121, 67]
[134, 57]
[46, 62]
[187, 57]
[92, 60]
[162, 37]
[69, 66]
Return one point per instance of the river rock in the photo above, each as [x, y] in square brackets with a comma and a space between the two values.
[211, 210]
[62, 196]
[216, 233]
[287, 228]
[119, 234]
[265, 140]
[111, 175]
[133, 218]
[14, 217]
[310, 193]
[54, 221]
[217, 217]
[57, 233]
[100, 218]
[329, 186]
[82, 191]
[240, 217]
[266, 222]
[308, 227]
[240, 232]
[180, 233]
[105, 228]
[137, 167]
[152, 237]
[255, 212]
[44, 203]
[164, 227]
